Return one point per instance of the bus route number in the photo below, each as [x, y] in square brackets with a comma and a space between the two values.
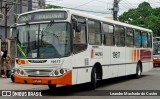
[116, 54]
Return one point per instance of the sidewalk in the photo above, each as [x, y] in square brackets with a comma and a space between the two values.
[2, 74]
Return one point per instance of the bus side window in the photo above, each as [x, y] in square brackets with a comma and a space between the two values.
[79, 40]
[129, 37]
[108, 34]
[144, 39]
[94, 32]
[137, 39]
[149, 40]
[119, 36]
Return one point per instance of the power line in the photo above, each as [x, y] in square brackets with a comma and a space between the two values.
[87, 10]
[128, 3]
[85, 3]
[59, 3]
[75, 8]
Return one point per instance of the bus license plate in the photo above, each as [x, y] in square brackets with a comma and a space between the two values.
[37, 81]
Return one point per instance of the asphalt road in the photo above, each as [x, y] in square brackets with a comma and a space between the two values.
[149, 81]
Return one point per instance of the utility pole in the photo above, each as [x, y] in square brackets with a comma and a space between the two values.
[115, 9]
[5, 17]
[29, 5]
[41, 4]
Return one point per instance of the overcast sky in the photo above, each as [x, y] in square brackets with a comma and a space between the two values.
[102, 6]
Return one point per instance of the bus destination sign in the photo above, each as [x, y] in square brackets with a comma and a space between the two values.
[42, 16]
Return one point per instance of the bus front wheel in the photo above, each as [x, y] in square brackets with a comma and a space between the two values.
[52, 87]
[93, 79]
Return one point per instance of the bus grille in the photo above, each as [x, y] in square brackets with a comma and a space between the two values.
[38, 72]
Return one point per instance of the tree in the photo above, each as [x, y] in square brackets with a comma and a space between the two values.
[49, 6]
[143, 16]
[153, 22]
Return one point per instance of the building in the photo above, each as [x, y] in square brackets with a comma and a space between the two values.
[12, 8]
[38, 4]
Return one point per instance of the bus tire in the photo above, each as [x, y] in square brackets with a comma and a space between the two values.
[138, 71]
[12, 78]
[154, 65]
[93, 79]
[52, 87]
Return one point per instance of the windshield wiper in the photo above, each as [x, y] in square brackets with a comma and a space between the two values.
[19, 45]
[21, 50]
[48, 27]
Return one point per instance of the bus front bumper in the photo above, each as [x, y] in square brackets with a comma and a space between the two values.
[65, 79]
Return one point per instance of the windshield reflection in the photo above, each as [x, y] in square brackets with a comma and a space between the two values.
[50, 40]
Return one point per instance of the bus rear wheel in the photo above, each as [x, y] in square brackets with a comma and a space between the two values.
[138, 71]
[52, 87]
[93, 79]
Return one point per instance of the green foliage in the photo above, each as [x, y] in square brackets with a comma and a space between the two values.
[144, 16]
[49, 6]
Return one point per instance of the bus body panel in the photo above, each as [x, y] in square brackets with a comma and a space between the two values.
[107, 70]
[82, 66]
[118, 59]
[131, 62]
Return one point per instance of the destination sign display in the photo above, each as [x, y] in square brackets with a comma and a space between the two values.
[42, 16]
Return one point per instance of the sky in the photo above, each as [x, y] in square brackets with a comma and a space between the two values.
[102, 6]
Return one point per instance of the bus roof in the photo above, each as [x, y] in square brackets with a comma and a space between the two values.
[83, 14]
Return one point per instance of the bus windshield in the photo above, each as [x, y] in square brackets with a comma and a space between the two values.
[49, 40]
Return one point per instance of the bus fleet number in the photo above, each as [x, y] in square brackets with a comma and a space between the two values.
[116, 54]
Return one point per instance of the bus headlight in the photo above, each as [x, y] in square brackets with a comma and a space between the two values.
[59, 72]
[56, 72]
[20, 72]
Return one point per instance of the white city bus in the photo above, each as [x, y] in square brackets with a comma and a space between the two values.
[68, 47]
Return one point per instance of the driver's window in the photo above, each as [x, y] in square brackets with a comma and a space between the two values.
[79, 39]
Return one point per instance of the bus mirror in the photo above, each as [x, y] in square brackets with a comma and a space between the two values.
[13, 31]
[78, 27]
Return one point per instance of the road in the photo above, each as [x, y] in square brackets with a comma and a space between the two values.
[149, 81]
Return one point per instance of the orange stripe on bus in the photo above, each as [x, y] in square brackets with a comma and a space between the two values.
[132, 55]
[139, 54]
[135, 55]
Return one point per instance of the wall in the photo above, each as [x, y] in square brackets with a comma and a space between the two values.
[15, 7]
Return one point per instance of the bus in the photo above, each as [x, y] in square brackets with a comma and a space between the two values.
[156, 51]
[69, 47]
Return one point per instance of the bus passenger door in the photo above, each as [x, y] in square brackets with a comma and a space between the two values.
[80, 55]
